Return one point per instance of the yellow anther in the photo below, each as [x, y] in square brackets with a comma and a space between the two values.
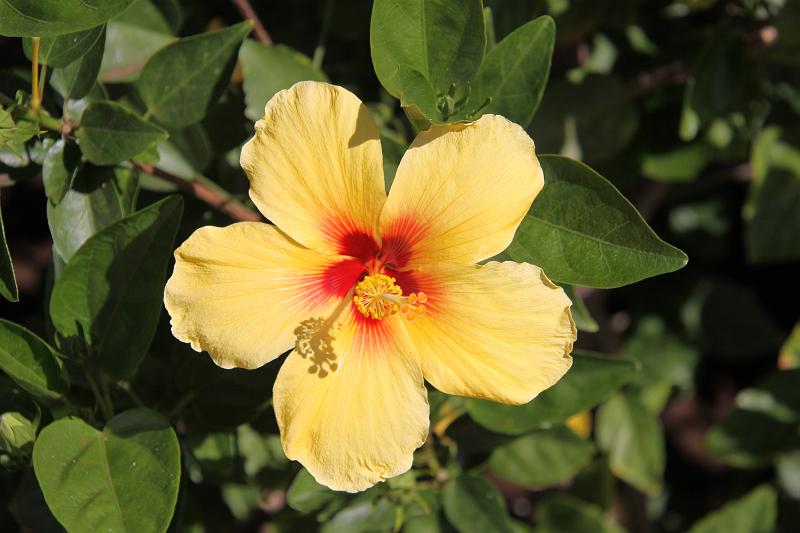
[377, 296]
[422, 297]
[413, 306]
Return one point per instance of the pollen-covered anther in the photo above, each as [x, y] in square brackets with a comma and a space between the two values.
[413, 305]
[377, 296]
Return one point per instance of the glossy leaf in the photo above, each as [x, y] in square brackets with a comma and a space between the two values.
[31, 362]
[633, 439]
[763, 424]
[182, 80]
[561, 513]
[123, 478]
[109, 295]
[581, 230]
[110, 134]
[514, 74]
[8, 281]
[45, 18]
[592, 379]
[76, 79]
[269, 69]
[473, 505]
[442, 40]
[755, 512]
[62, 50]
[542, 459]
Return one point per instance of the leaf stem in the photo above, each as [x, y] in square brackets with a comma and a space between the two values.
[205, 189]
[249, 13]
[182, 402]
[319, 51]
[101, 401]
[35, 100]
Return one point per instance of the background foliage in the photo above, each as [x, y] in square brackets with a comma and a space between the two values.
[682, 409]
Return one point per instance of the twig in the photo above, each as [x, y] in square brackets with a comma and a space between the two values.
[35, 101]
[125, 386]
[248, 12]
[182, 402]
[206, 190]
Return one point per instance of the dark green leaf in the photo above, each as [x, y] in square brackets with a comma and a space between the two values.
[763, 424]
[561, 513]
[417, 98]
[581, 230]
[306, 495]
[755, 512]
[8, 281]
[515, 72]
[64, 49]
[362, 515]
[76, 79]
[59, 169]
[45, 18]
[269, 69]
[31, 362]
[633, 439]
[110, 293]
[443, 40]
[591, 380]
[123, 478]
[473, 505]
[543, 458]
[182, 80]
[110, 134]
[773, 220]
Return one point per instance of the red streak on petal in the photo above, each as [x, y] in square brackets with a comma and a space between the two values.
[416, 281]
[399, 239]
[373, 336]
[339, 278]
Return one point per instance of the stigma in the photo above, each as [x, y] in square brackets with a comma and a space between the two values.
[378, 296]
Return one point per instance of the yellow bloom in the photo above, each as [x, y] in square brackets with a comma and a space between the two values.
[374, 293]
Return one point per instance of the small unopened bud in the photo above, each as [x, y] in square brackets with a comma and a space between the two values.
[16, 434]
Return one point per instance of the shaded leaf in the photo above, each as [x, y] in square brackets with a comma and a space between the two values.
[109, 295]
[583, 319]
[755, 512]
[472, 504]
[592, 379]
[269, 69]
[62, 50]
[182, 80]
[31, 362]
[59, 169]
[561, 513]
[542, 459]
[123, 478]
[306, 495]
[8, 281]
[581, 230]
[110, 134]
[45, 18]
[77, 79]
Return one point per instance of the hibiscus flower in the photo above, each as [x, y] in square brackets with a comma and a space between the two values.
[375, 294]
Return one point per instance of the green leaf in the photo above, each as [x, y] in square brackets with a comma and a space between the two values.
[755, 512]
[62, 50]
[583, 319]
[123, 478]
[362, 515]
[183, 79]
[542, 459]
[77, 79]
[633, 439]
[787, 468]
[472, 504]
[763, 424]
[109, 295]
[679, 164]
[514, 74]
[269, 69]
[8, 281]
[133, 37]
[45, 18]
[306, 495]
[418, 98]
[789, 356]
[92, 203]
[15, 134]
[59, 169]
[581, 230]
[561, 512]
[110, 134]
[442, 40]
[592, 379]
[17, 434]
[31, 362]
[773, 220]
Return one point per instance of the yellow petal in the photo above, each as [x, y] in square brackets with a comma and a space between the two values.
[500, 331]
[460, 192]
[316, 169]
[239, 292]
[355, 416]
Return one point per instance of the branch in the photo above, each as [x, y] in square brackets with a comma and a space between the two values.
[249, 13]
[206, 190]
